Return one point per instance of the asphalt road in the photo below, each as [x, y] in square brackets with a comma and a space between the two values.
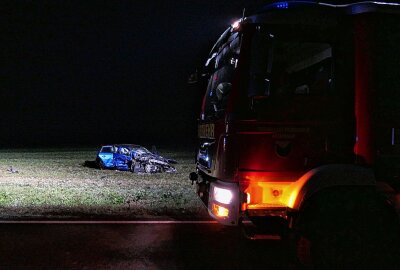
[134, 246]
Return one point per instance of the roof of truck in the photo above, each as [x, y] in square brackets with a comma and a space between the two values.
[351, 7]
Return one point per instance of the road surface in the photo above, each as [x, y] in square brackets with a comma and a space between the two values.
[136, 245]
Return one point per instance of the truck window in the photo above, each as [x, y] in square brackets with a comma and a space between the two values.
[302, 68]
[220, 81]
[301, 81]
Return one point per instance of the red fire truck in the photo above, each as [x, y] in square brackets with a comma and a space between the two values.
[300, 115]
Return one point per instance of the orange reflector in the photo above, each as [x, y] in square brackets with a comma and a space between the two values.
[220, 211]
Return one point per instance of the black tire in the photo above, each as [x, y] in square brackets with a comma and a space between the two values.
[100, 164]
[348, 228]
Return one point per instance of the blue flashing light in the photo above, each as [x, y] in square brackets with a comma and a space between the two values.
[285, 5]
[282, 5]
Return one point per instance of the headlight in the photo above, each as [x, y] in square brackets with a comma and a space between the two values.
[222, 195]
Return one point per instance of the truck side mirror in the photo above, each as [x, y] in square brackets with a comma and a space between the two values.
[260, 65]
[223, 90]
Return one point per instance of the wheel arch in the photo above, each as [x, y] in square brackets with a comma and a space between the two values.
[328, 176]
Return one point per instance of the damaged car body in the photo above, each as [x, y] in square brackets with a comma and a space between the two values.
[134, 158]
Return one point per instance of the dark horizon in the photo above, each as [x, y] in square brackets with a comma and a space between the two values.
[100, 72]
[86, 73]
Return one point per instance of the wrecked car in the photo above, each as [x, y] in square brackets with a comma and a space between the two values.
[134, 158]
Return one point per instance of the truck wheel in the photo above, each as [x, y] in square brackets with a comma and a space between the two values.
[348, 228]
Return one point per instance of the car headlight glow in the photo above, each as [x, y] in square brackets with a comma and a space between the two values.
[223, 195]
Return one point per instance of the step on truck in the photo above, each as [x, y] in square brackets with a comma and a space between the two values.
[300, 120]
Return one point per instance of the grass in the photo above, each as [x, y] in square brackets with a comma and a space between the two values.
[54, 184]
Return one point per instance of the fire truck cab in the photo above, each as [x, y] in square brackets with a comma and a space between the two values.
[299, 98]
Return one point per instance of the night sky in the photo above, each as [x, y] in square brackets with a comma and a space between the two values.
[92, 72]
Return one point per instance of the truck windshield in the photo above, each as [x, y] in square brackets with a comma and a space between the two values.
[301, 81]
[301, 68]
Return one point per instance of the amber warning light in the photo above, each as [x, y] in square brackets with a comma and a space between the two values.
[220, 211]
[269, 191]
[236, 24]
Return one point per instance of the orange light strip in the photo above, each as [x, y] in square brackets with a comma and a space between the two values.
[269, 190]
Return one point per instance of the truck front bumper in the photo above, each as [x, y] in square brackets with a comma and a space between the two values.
[229, 202]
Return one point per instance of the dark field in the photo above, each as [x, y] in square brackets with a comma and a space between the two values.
[53, 183]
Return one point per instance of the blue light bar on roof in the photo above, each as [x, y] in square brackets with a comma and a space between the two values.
[288, 4]
[282, 5]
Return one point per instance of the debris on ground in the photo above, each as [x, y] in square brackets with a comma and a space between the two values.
[12, 170]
